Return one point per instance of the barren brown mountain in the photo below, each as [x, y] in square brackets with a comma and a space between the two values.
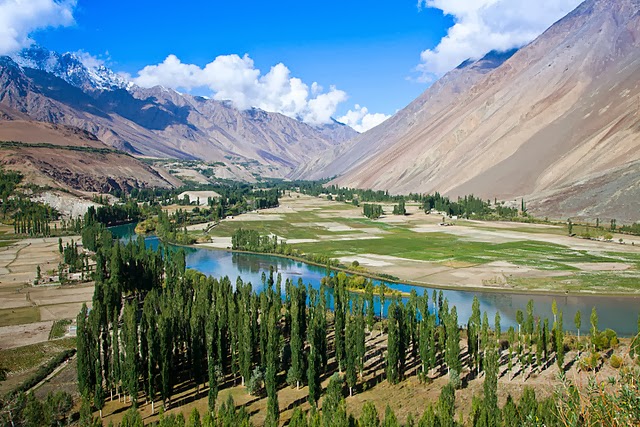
[58, 88]
[558, 123]
[72, 159]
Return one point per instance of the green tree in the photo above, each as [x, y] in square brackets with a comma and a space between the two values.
[298, 418]
[452, 353]
[296, 372]
[368, 291]
[390, 419]
[351, 356]
[594, 326]
[393, 345]
[273, 351]
[497, 328]
[446, 406]
[334, 410]
[560, 342]
[131, 364]
[490, 387]
[369, 416]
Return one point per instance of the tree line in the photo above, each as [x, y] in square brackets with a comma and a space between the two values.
[155, 325]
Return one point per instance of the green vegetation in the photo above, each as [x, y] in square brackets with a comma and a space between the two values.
[43, 371]
[83, 149]
[25, 410]
[19, 316]
[442, 247]
[26, 357]
[59, 328]
[372, 211]
[153, 322]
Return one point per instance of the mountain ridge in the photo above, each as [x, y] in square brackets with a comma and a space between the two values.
[158, 122]
[560, 111]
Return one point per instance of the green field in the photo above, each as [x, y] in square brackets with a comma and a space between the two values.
[19, 316]
[339, 231]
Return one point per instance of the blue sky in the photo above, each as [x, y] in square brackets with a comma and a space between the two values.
[378, 55]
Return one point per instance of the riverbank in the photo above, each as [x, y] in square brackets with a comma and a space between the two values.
[400, 280]
[470, 255]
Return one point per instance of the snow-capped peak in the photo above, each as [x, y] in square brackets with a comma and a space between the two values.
[69, 67]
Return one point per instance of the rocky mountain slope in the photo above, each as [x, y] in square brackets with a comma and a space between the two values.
[46, 86]
[557, 123]
[443, 93]
[69, 158]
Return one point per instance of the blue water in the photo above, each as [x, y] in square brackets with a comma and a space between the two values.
[617, 313]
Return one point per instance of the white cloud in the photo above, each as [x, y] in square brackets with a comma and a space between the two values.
[361, 120]
[91, 61]
[20, 18]
[235, 78]
[485, 25]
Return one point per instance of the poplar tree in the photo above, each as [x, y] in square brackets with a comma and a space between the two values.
[296, 372]
[560, 343]
[369, 416]
[360, 344]
[424, 336]
[490, 387]
[84, 353]
[594, 327]
[511, 333]
[351, 354]
[577, 320]
[273, 350]
[340, 307]
[368, 292]
[452, 352]
[446, 406]
[130, 334]
[393, 345]
[245, 344]
[473, 335]
[315, 334]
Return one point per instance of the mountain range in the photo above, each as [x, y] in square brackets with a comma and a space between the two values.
[556, 123]
[158, 122]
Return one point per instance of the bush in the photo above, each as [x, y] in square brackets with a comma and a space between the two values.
[454, 379]
[605, 340]
[256, 382]
[590, 363]
[615, 361]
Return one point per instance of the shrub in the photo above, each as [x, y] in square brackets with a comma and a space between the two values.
[256, 382]
[590, 362]
[605, 340]
[615, 361]
[454, 379]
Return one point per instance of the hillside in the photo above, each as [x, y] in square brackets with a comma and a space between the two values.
[72, 159]
[561, 114]
[46, 86]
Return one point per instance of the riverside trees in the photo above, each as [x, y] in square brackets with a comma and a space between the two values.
[154, 323]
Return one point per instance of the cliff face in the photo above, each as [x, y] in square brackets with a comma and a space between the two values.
[560, 114]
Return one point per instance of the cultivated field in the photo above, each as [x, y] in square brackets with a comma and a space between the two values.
[27, 312]
[465, 254]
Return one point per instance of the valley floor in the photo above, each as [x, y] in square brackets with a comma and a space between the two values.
[28, 313]
[416, 248]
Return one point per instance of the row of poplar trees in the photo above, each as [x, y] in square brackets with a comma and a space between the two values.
[155, 326]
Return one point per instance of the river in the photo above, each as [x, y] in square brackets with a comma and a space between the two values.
[619, 313]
